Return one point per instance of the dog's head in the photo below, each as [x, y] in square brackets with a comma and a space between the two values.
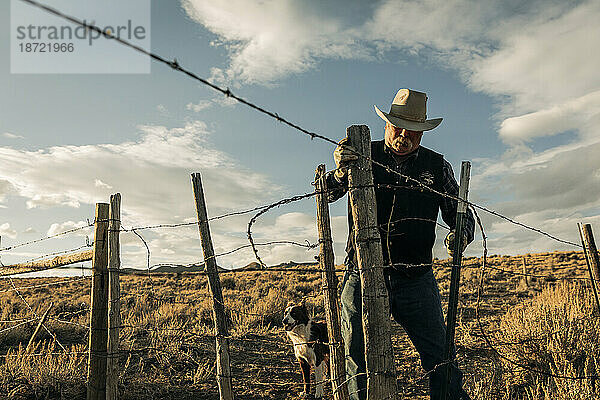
[294, 315]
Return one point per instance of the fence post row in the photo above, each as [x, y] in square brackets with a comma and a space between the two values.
[214, 284]
[381, 374]
[114, 298]
[591, 256]
[332, 310]
[461, 212]
[96, 388]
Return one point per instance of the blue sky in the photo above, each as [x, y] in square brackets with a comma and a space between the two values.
[517, 86]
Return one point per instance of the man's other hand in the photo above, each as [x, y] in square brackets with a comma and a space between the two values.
[449, 242]
[343, 155]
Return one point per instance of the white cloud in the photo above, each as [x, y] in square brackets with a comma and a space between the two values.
[545, 62]
[202, 105]
[571, 114]
[62, 227]
[100, 184]
[269, 40]
[151, 179]
[6, 230]
[51, 200]
[12, 136]
[153, 176]
[5, 188]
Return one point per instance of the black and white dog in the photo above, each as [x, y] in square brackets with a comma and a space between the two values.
[310, 345]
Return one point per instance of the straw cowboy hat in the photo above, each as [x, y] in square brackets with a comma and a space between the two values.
[409, 111]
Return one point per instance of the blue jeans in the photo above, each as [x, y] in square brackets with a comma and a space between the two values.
[416, 305]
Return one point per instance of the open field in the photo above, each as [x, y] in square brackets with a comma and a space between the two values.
[544, 322]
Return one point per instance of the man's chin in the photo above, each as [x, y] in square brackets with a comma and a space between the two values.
[403, 151]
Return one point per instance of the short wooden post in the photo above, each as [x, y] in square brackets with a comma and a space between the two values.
[38, 327]
[381, 374]
[525, 275]
[591, 257]
[114, 298]
[96, 388]
[332, 309]
[461, 215]
[214, 284]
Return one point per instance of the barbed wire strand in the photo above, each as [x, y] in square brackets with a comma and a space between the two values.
[67, 281]
[264, 210]
[12, 283]
[45, 237]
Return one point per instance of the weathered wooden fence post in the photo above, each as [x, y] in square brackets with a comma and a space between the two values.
[96, 388]
[381, 374]
[38, 327]
[591, 256]
[332, 310]
[48, 263]
[214, 284]
[461, 213]
[114, 298]
[525, 274]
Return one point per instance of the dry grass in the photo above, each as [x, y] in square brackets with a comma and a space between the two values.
[556, 333]
[168, 352]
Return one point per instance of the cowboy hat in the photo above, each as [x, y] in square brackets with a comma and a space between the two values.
[409, 111]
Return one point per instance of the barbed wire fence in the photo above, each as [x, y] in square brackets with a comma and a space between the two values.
[184, 331]
[152, 327]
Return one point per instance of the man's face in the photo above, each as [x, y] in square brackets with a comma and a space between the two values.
[402, 141]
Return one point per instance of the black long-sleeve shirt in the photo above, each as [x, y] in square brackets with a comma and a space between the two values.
[406, 166]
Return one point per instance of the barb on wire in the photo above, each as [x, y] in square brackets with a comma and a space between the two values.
[56, 253]
[264, 210]
[14, 246]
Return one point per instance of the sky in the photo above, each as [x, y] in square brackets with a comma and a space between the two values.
[516, 83]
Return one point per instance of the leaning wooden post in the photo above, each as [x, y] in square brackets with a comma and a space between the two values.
[381, 375]
[96, 388]
[332, 310]
[214, 284]
[461, 215]
[38, 327]
[591, 257]
[114, 298]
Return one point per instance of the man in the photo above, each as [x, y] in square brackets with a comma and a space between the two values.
[406, 218]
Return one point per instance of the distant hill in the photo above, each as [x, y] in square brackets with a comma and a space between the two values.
[177, 269]
[173, 269]
[290, 264]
